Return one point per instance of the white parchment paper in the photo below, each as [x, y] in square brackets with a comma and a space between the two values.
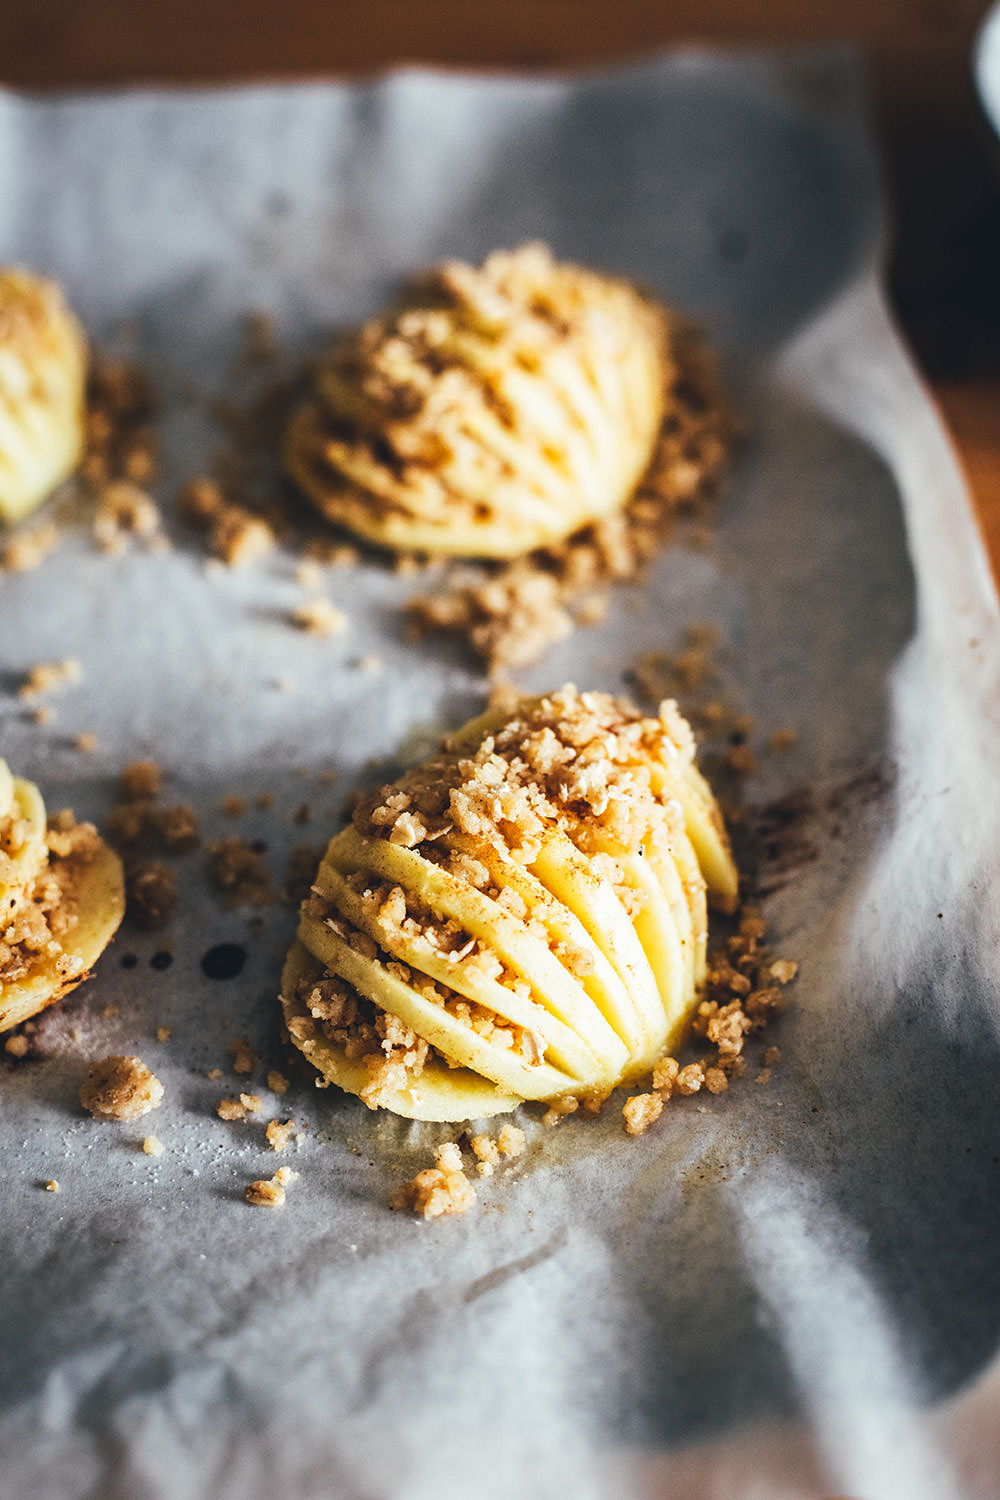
[790, 1291]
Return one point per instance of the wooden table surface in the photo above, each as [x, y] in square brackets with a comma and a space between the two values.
[943, 164]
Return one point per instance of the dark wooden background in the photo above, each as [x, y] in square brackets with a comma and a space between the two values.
[943, 164]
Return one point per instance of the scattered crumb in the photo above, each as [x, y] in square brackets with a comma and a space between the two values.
[264, 801]
[772, 1055]
[264, 1194]
[783, 739]
[163, 1033]
[319, 617]
[152, 1146]
[150, 894]
[52, 1186]
[233, 806]
[302, 866]
[441, 1189]
[372, 665]
[87, 742]
[42, 715]
[279, 1134]
[741, 760]
[309, 574]
[120, 1088]
[27, 551]
[214, 1074]
[641, 1111]
[559, 1109]
[511, 1141]
[47, 677]
[239, 537]
[239, 873]
[140, 781]
[244, 1057]
[17, 1046]
[764, 1076]
[783, 970]
[178, 828]
[237, 1108]
[123, 510]
[286, 1176]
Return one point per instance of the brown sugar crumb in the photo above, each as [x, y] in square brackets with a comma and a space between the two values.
[438, 1190]
[487, 1154]
[163, 1033]
[120, 1088]
[152, 1146]
[86, 742]
[24, 553]
[237, 1108]
[48, 677]
[302, 866]
[319, 617]
[264, 801]
[741, 760]
[239, 873]
[124, 510]
[244, 1057]
[264, 1193]
[239, 537]
[140, 781]
[178, 828]
[17, 1046]
[782, 739]
[559, 1109]
[279, 1134]
[150, 895]
[511, 1141]
[52, 1186]
[233, 806]
[642, 1111]
[277, 1082]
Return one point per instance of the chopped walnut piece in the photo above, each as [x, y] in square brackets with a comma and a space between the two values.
[441, 1189]
[264, 1194]
[150, 894]
[152, 1146]
[641, 1111]
[319, 617]
[120, 1088]
[47, 677]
